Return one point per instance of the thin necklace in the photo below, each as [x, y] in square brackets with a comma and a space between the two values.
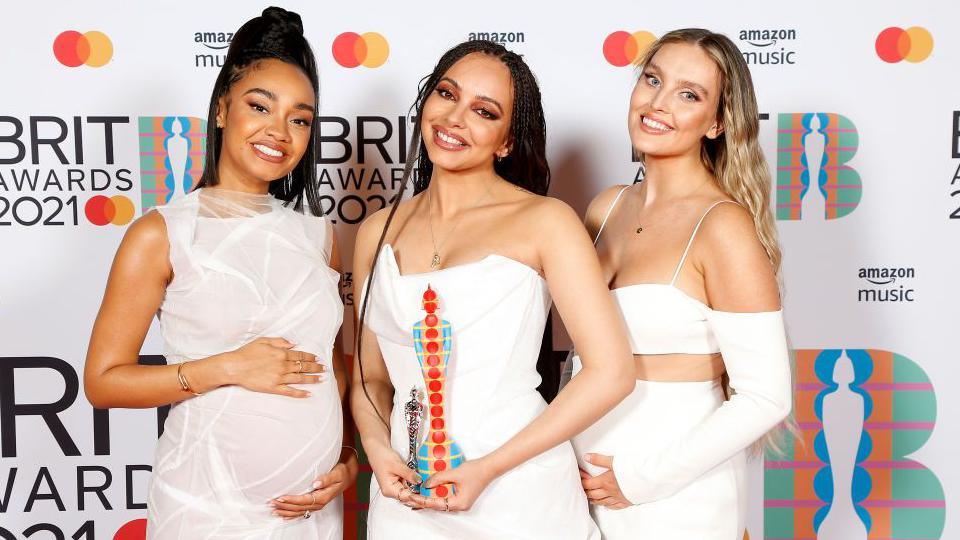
[435, 262]
[640, 225]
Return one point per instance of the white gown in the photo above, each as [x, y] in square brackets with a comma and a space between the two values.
[245, 267]
[497, 308]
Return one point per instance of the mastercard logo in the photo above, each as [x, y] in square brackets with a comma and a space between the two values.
[896, 44]
[623, 48]
[73, 49]
[101, 210]
[132, 530]
[369, 50]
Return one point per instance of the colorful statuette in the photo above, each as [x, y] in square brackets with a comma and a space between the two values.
[432, 340]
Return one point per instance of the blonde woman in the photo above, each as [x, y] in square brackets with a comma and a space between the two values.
[691, 257]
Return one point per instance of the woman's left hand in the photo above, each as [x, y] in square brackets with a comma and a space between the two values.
[603, 489]
[469, 480]
[325, 488]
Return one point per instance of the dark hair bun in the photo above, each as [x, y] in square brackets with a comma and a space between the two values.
[284, 18]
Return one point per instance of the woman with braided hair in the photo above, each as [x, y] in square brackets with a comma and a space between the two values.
[242, 274]
[479, 252]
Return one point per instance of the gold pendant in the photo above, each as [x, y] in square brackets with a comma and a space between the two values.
[436, 260]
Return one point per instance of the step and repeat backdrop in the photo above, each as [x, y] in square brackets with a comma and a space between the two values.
[101, 119]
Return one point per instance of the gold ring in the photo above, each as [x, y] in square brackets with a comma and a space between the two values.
[400, 493]
[299, 366]
[313, 499]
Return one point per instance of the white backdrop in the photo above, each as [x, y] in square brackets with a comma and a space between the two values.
[891, 179]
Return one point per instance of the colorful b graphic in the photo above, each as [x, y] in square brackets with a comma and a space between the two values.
[860, 414]
[172, 149]
[432, 339]
[812, 175]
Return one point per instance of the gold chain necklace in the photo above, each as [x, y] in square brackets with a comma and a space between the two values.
[435, 261]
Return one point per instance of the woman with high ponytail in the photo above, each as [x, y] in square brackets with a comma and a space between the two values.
[692, 260]
[243, 275]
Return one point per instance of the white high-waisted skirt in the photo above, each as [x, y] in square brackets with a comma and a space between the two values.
[650, 418]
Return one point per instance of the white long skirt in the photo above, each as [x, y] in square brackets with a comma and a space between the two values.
[650, 418]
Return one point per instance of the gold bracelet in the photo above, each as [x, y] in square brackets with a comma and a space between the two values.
[355, 451]
[184, 384]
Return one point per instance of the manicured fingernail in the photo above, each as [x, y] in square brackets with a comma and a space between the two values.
[281, 500]
[317, 484]
[418, 479]
[276, 513]
[272, 504]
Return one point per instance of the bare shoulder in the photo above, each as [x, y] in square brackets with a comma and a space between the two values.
[553, 222]
[147, 232]
[599, 207]
[373, 225]
[145, 249]
[737, 269]
[729, 227]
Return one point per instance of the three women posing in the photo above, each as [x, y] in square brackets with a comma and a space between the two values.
[690, 254]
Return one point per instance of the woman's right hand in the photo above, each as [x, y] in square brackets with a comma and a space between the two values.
[270, 365]
[393, 475]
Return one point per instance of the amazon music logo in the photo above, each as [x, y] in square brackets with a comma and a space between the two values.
[768, 46]
[213, 48]
[886, 284]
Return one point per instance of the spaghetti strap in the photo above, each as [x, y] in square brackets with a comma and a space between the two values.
[609, 211]
[683, 259]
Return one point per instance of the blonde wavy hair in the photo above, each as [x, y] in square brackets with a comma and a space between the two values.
[736, 160]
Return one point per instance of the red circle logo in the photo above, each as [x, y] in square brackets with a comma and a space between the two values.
[369, 50]
[623, 48]
[72, 49]
[132, 530]
[101, 210]
[895, 44]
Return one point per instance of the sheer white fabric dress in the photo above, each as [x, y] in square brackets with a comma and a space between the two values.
[245, 267]
[497, 308]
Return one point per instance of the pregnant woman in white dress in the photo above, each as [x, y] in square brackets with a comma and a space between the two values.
[478, 252]
[242, 274]
[691, 257]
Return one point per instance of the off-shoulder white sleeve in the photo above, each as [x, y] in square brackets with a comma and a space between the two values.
[754, 349]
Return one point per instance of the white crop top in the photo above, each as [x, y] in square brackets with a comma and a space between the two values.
[662, 319]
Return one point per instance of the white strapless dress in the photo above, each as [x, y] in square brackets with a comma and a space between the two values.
[245, 267]
[497, 308]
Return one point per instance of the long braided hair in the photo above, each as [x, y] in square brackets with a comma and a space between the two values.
[525, 166]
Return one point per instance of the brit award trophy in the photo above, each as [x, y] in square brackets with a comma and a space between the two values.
[432, 340]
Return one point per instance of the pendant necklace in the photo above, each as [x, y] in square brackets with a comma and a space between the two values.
[435, 261]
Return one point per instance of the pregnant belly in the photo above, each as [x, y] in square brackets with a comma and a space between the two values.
[241, 447]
